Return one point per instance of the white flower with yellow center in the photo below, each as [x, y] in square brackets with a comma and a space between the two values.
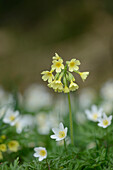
[73, 86]
[59, 133]
[83, 75]
[40, 152]
[57, 65]
[73, 65]
[47, 75]
[10, 116]
[104, 121]
[94, 113]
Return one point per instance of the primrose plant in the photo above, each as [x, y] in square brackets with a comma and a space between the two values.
[61, 79]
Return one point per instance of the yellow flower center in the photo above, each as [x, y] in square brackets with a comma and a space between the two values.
[61, 134]
[12, 118]
[49, 74]
[42, 153]
[58, 64]
[95, 116]
[105, 122]
[12, 144]
[72, 64]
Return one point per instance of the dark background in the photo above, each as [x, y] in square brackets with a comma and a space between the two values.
[32, 31]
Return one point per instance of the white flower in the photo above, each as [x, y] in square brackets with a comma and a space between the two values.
[23, 122]
[2, 111]
[35, 97]
[59, 133]
[43, 124]
[86, 97]
[107, 106]
[40, 152]
[94, 113]
[104, 121]
[10, 116]
[107, 90]
[5, 97]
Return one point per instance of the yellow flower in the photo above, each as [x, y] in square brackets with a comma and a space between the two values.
[57, 65]
[66, 89]
[73, 65]
[57, 85]
[50, 85]
[73, 86]
[47, 75]
[3, 137]
[56, 57]
[13, 146]
[3, 147]
[83, 75]
[1, 156]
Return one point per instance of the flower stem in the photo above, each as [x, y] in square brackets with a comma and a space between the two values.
[106, 144]
[47, 164]
[71, 121]
[65, 145]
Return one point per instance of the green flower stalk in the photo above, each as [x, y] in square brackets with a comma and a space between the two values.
[63, 80]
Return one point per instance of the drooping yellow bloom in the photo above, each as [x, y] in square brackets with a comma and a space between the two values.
[3, 147]
[57, 85]
[56, 57]
[1, 156]
[57, 65]
[13, 146]
[47, 75]
[73, 65]
[83, 75]
[66, 89]
[73, 86]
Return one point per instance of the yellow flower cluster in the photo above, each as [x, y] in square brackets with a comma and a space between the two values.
[12, 146]
[63, 80]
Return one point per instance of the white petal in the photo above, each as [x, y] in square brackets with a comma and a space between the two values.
[100, 124]
[35, 155]
[66, 130]
[101, 110]
[61, 126]
[110, 118]
[55, 130]
[41, 158]
[53, 137]
[104, 116]
[59, 139]
[94, 108]
[16, 113]
[37, 149]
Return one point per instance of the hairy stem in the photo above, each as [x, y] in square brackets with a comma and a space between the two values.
[70, 119]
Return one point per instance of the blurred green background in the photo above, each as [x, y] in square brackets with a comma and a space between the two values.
[32, 31]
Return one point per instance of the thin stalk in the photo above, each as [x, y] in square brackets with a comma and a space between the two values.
[95, 138]
[70, 119]
[106, 144]
[47, 164]
[65, 145]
